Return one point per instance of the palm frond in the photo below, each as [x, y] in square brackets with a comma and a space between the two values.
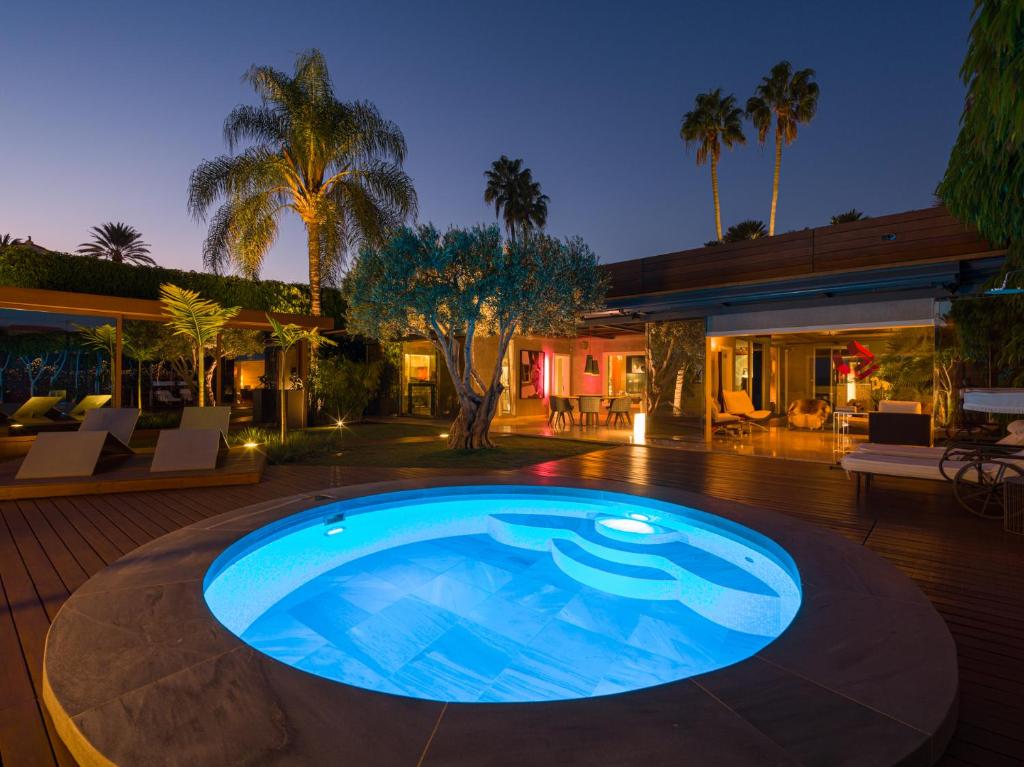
[194, 317]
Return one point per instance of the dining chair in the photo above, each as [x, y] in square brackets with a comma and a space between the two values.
[590, 410]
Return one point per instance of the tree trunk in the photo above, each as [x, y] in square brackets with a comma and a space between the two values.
[471, 428]
[775, 182]
[282, 399]
[138, 384]
[200, 377]
[714, 194]
[313, 236]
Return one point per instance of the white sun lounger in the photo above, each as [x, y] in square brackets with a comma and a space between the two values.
[104, 434]
[197, 443]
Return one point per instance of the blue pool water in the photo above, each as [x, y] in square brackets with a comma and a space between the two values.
[505, 593]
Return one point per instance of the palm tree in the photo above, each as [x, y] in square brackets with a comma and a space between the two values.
[851, 215]
[198, 320]
[336, 164]
[790, 98]
[6, 240]
[284, 337]
[715, 120]
[751, 229]
[119, 242]
[512, 191]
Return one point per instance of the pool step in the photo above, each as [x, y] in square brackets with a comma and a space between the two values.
[626, 571]
[622, 580]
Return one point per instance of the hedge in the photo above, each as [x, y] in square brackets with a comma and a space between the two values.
[24, 267]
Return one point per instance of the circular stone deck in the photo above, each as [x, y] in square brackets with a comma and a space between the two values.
[138, 672]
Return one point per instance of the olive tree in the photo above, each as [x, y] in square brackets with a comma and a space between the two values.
[451, 288]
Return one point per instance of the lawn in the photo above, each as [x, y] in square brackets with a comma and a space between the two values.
[510, 452]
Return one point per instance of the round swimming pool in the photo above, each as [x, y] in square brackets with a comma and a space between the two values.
[504, 593]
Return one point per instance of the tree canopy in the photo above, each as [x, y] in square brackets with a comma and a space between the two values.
[984, 181]
[451, 287]
[336, 164]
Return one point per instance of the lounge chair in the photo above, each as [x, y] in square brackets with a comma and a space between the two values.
[920, 461]
[197, 443]
[724, 423]
[738, 403]
[87, 403]
[104, 434]
[166, 397]
[35, 410]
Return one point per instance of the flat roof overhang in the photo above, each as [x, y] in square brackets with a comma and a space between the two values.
[92, 304]
[943, 280]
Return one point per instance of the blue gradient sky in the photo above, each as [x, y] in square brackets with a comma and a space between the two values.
[106, 107]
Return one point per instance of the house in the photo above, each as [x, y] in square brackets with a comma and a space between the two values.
[848, 314]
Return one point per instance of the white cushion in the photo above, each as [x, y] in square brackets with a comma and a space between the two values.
[898, 406]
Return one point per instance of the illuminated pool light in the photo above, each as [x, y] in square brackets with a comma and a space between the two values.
[640, 517]
[335, 530]
[627, 525]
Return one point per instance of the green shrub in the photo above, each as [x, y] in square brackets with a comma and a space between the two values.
[344, 388]
[22, 267]
[159, 419]
[300, 445]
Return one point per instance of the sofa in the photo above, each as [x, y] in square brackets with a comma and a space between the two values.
[808, 413]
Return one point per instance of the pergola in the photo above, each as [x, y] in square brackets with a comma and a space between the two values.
[120, 309]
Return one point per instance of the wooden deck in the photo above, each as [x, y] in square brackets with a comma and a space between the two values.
[238, 466]
[969, 568]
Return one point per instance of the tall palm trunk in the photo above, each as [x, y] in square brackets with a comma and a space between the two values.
[201, 376]
[313, 234]
[775, 182]
[714, 194]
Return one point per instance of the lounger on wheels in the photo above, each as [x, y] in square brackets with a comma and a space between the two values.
[102, 438]
[197, 443]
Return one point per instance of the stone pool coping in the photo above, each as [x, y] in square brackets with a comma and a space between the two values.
[138, 671]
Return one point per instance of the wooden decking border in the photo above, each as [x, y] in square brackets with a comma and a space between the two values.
[240, 466]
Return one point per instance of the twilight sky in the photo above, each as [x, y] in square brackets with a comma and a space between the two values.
[105, 108]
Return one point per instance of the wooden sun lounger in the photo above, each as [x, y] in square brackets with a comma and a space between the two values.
[197, 444]
[103, 435]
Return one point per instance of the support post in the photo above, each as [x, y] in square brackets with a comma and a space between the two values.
[115, 364]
